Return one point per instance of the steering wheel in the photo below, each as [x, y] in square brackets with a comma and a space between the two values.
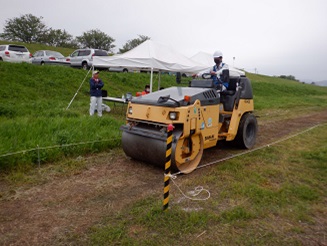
[206, 76]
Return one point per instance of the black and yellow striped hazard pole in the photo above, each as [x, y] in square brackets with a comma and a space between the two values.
[167, 165]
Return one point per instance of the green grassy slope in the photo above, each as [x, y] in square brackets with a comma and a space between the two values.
[34, 47]
[274, 93]
[33, 111]
[34, 100]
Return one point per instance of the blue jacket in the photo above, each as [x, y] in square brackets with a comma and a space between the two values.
[95, 87]
[216, 79]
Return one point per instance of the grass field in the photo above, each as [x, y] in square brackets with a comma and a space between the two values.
[34, 101]
[274, 196]
[33, 111]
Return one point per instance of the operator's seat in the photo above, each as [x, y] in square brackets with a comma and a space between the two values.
[227, 97]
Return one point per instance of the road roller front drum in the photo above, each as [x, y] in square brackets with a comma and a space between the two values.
[187, 153]
[150, 146]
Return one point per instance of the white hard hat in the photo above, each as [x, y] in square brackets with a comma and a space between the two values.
[217, 53]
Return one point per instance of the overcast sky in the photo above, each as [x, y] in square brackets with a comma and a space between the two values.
[272, 37]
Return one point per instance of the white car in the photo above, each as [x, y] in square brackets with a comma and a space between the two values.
[14, 53]
[120, 69]
[84, 57]
[49, 57]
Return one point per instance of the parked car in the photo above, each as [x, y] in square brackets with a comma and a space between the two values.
[49, 57]
[84, 57]
[14, 53]
[120, 69]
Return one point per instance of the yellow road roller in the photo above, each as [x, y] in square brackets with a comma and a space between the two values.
[201, 116]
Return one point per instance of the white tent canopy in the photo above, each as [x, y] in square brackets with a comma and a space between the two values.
[203, 58]
[151, 55]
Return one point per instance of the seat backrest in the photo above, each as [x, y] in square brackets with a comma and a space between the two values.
[225, 76]
[233, 82]
[228, 97]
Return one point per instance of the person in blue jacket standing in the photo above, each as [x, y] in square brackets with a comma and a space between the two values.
[96, 85]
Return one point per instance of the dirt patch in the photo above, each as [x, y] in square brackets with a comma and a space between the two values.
[70, 205]
[48, 212]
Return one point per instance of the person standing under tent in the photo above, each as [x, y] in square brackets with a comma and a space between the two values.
[96, 85]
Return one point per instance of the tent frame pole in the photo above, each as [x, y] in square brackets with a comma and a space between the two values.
[151, 79]
[159, 80]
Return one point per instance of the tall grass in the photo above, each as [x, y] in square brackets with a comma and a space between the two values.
[33, 112]
[278, 93]
[34, 100]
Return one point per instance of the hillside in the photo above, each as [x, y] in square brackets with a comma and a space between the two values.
[34, 47]
[33, 110]
[34, 101]
[92, 194]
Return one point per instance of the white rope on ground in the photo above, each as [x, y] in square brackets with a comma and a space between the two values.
[199, 189]
[255, 149]
[196, 192]
[57, 146]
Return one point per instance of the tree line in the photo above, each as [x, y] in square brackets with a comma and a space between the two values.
[31, 29]
[289, 77]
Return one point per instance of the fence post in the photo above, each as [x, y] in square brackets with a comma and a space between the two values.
[38, 156]
[167, 165]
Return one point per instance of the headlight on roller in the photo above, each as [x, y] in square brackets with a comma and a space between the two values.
[130, 110]
[173, 115]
